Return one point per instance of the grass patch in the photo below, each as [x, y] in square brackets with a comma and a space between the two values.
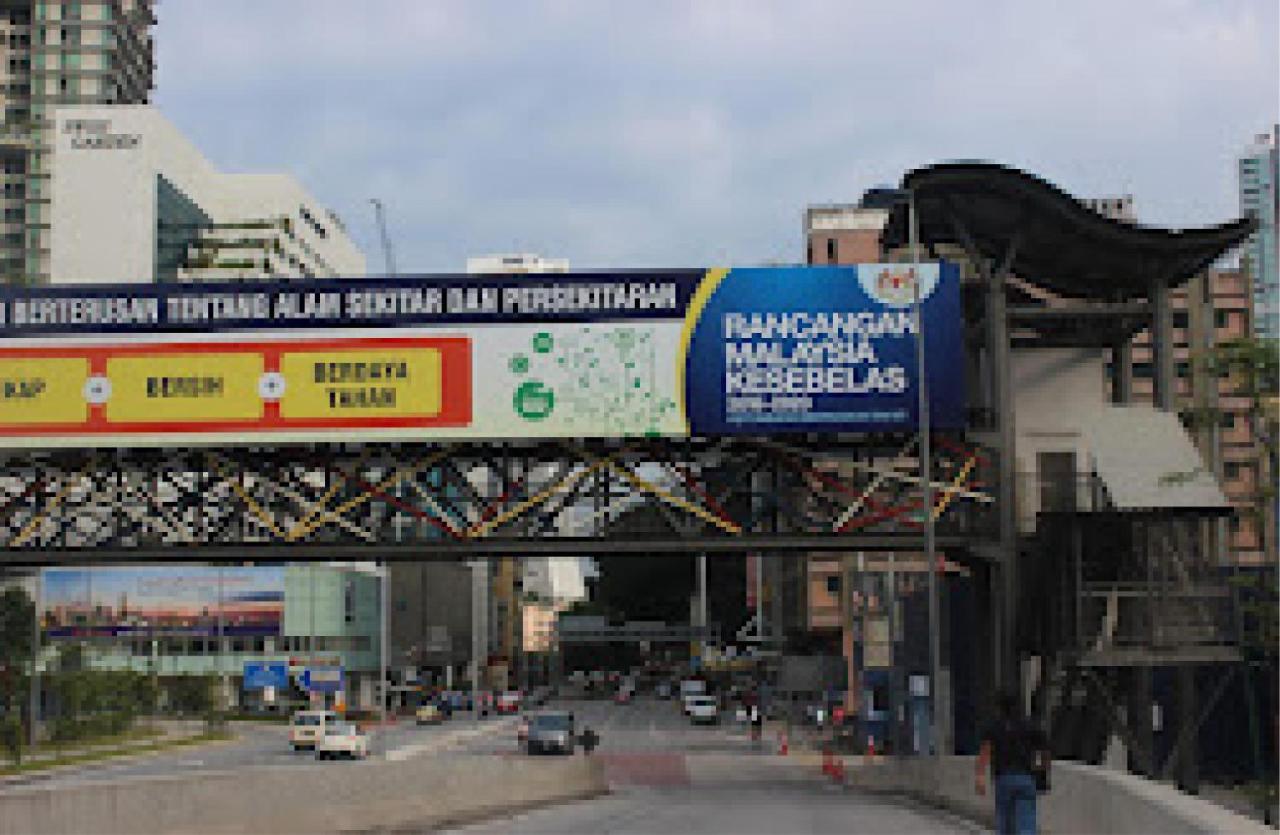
[112, 753]
[131, 735]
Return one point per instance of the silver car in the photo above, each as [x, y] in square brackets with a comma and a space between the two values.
[550, 732]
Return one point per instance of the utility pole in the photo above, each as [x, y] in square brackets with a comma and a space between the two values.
[388, 257]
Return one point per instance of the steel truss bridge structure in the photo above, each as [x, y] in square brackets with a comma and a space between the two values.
[403, 501]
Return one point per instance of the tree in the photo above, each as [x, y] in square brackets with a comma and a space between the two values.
[1252, 368]
[17, 615]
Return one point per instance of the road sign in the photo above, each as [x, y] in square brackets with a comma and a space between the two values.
[259, 676]
[322, 679]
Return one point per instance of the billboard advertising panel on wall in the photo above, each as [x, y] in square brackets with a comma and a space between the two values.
[162, 601]
[608, 355]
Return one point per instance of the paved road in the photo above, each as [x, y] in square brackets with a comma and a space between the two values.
[666, 776]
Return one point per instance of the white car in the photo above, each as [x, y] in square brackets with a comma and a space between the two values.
[702, 710]
[307, 727]
[343, 741]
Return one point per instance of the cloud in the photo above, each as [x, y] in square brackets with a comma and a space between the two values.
[675, 133]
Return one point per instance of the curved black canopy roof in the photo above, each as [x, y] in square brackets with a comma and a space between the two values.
[1062, 245]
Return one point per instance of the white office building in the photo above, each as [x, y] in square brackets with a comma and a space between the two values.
[134, 201]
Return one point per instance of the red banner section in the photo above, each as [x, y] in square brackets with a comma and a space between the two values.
[193, 387]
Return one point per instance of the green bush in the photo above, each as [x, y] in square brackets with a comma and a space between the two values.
[95, 703]
[11, 737]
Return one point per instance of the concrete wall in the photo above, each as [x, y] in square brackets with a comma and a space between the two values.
[1083, 798]
[1057, 392]
[423, 792]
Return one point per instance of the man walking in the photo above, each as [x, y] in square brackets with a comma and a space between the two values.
[1017, 752]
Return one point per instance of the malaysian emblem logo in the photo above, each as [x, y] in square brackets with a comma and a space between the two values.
[894, 285]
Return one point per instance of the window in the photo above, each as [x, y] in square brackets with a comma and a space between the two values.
[1231, 470]
[833, 583]
[831, 250]
[809, 253]
[1221, 318]
[1181, 319]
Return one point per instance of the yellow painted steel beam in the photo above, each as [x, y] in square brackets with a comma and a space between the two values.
[321, 506]
[674, 500]
[32, 526]
[352, 503]
[250, 502]
[953, 490]
[535, 500]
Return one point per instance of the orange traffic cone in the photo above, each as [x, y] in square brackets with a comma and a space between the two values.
[837, 769]
[827, 765]
[871, 749]
[782, 743]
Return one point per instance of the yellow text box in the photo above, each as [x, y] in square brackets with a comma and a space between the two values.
[43, 390]
[203, 387]
[353, 384]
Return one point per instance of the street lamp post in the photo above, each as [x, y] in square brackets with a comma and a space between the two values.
[926, 482]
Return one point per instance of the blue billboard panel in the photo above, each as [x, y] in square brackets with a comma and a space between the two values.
[258, 676]
[824, 349]
[322, 679]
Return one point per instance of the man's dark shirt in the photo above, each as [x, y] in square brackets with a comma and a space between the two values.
[1014, 743]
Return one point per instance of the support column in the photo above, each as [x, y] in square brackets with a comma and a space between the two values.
[853, 683]
[1000, 367]
[1162, 347]
[774, 562]
[1188, 734]
[1122, 373]
[1141, 753]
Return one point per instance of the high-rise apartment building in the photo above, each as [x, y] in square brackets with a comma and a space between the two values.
[1259, 172]
[58, 52]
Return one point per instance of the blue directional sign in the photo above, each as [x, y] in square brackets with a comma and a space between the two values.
[322, 679]
[258, 676]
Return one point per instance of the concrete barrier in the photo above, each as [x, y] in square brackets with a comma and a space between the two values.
[422, 792]
[1083, 798]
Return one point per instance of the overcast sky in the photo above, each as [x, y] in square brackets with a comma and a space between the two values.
[652, 134]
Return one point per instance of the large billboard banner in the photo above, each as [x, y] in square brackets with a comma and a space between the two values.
[162, 601]
[614, 355]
